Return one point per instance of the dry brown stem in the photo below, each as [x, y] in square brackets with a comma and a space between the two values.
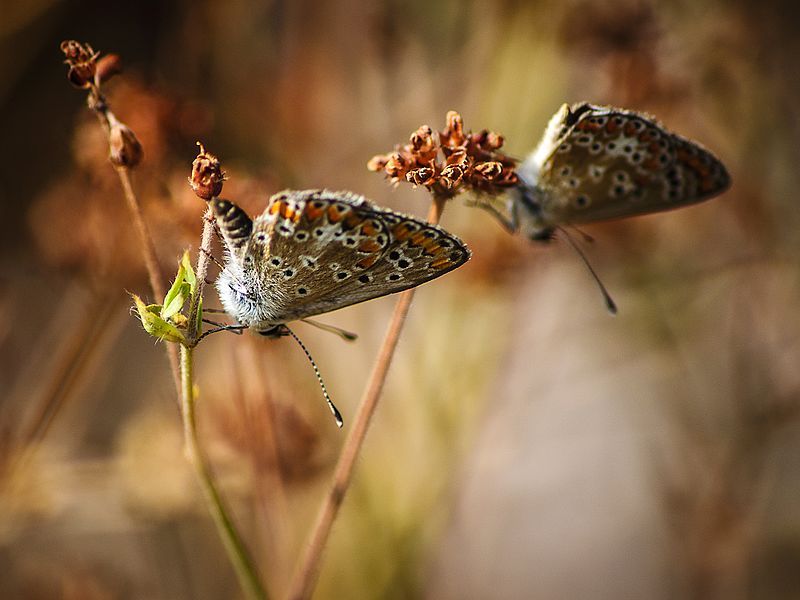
[306, 575]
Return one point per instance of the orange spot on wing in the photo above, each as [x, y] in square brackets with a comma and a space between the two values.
[369, 246]
[441, 263]
[286, 211]
[418, 238]
[611, 126]
[334, 213]
[432, 248]
[369, 229]
[276, 206]
[367, 262]
[352, 220]
[313, 213]
[401, 231]
[651, 164]
[646, 136]
[708, 185]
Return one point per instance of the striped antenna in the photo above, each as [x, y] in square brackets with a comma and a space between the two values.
[610, 304]
[336, 414]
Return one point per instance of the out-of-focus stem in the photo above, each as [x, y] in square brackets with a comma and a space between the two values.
[306, 575]
[150, 260]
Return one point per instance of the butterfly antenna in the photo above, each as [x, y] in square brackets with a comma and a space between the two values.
[336, 414]
[612, 307]
[342, 333]
[586, 237]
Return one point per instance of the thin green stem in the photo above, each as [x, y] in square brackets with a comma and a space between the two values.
[234, 546]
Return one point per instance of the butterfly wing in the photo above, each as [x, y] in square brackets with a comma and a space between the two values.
[605, 163]
[320, 251]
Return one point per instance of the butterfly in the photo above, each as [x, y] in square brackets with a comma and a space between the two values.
[315, 251]
[599, 162]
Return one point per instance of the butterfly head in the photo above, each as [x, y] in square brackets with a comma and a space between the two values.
[528, 218]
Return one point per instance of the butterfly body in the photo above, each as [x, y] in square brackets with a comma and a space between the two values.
[314, 251]
[595, 163]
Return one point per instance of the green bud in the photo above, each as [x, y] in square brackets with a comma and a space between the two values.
[154, 324]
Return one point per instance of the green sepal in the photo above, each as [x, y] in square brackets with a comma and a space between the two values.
[155, 324]
[189, 275]
[173, 303]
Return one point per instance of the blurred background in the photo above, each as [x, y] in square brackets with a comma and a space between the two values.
[528, 445]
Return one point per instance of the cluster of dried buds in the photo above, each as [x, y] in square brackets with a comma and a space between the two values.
[88, 71]
[450, 161]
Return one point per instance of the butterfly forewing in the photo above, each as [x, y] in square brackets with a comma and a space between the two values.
[316, 251]
[606, 163]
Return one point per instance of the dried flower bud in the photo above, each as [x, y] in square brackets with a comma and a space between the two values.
[451, 175]
[489, 170]
[207, 175]
[107, 67]
[422, 176]
[454, 131]
[82, 61]
[396, 165]
[124, 149]
[457, 156]
[494, 141]
[377, 162]
[422, 140]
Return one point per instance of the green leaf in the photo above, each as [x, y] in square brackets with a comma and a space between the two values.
[176, 303]
[175, 290]
[154, 324]
[191, 279]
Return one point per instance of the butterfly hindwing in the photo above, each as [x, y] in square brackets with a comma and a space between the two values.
[603, 163]
[315, 251]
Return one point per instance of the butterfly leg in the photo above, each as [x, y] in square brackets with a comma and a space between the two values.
[212, 257]
[235, 329]
[510, 224]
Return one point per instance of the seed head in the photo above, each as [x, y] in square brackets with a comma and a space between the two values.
[207, 175]
[124, 148]
[450, 161]
[82, 61]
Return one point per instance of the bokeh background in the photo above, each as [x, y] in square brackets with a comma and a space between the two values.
[528, 444]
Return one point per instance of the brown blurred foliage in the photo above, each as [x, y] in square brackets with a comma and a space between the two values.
[525, 436]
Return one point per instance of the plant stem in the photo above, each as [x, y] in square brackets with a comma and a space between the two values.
[305, 577]
[150, 260]
[234, 546]
[200, 273]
